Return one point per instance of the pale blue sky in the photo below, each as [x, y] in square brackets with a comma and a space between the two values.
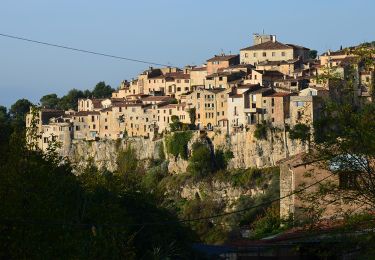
[178, 32]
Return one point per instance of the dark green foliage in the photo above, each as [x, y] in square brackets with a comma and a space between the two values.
[177, 144]
[260, 132]
[208, 230]
[102, 90]
[222, 158]
[300, 132]
[70, 100]
[50, 101]
[127, 166]
[47, 212]
[19, 109]
[201, 162]
[269, 223]
[176, 125]
[174, 101]
[192, 115]
[313, 54]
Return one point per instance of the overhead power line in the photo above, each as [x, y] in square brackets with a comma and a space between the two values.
[173, 222]
[82, 50]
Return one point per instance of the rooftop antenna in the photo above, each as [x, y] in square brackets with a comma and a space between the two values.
[263, 31]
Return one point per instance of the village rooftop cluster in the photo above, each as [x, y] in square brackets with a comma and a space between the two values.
[267, 83]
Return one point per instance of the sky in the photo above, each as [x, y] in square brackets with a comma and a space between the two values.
[162, 31]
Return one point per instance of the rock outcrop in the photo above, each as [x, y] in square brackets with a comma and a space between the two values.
[247, 150]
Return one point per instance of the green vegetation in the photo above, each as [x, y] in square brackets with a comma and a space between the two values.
[46, 211]
[300, 132]
[261, 130]
[313, 54]
[201, 162]
[177, 144]
[69, 101]
[192, 115]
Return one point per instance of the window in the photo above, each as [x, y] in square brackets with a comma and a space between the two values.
[255, 77]
[300, 104]
[93, 126]
[92, 118]
[105, 120]
[178, 89]
[106, 127]
[246, 55]
[45, 140]
[186, 81]
[220, 78]
[254, 54]
[178, 81]
[272, 102]
[283, 53]
[264, 54]
[273, 54]
[198, 95]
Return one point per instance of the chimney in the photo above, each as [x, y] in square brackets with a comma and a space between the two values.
[273, 38]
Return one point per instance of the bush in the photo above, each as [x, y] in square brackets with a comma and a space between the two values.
[260, 132]
[300, 132]
[177, 144]
[201, 162]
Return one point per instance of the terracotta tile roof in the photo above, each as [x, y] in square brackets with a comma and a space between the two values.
[222, 58]
[297, 46]
[156, 98]
[269, 45]
[279, 94]
[87, 113]
[177, 75]
[199, 69]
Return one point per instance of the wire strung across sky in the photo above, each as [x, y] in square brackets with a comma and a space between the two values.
[173, 222]
[82, 50]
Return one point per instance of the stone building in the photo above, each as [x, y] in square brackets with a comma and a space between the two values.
[221, 61]
[210, 105]
[272, 50]
[298, 172]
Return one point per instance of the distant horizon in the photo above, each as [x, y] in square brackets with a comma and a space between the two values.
[162, 32]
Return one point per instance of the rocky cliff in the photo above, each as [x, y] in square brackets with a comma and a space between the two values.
[247, 150]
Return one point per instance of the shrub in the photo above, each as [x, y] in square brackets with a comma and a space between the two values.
[300, 132]
[260, 132]
[177, 144]
[200, 163]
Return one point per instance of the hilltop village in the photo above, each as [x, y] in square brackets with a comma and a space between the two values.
[268, 82]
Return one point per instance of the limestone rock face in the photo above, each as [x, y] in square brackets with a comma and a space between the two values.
[247, 150]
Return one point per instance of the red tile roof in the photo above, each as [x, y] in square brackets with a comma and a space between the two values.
[270, 45]
[222, 58]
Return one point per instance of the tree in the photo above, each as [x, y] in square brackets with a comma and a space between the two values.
[102, 90]
[201, 163]
[70, 100]
[313, 54]
[127, 166]
[260, 132]
[300, 132]
[176, 125]
[20, 109]
[192, 115]
[50, 101]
